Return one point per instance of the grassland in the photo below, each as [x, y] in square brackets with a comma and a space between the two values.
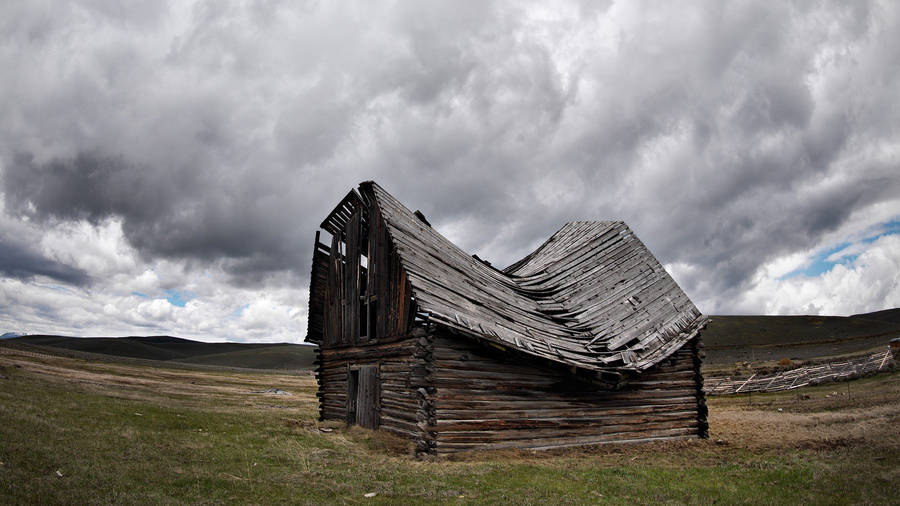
[730, 339]
[75, 431]
[149, 350]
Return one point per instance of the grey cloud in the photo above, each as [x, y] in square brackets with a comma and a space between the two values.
[222, 133]
[175, 215]
[90, 186]
[22, 262]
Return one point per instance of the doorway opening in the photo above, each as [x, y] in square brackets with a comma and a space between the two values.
[362, 396]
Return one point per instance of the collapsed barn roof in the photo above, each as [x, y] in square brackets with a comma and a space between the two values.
[592, 296]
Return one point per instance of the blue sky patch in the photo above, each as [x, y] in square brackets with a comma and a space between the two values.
[179, 297]
[825, 260]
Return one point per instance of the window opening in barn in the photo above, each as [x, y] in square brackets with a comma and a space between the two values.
[363, 273]
[373, 316]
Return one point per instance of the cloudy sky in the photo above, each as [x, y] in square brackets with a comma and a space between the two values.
[164, 167]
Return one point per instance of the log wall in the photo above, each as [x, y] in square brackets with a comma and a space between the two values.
[486, 400]
[399, 377]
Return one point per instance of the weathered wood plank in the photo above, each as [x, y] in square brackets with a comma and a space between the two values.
[545, 444]
[367, 410]
[532, 433]
[447, 415]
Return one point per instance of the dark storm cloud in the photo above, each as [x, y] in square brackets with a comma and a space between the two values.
[89, 186]
[726, 133]
[183, 214]
[20, 261]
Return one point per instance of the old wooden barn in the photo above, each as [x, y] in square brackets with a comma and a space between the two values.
[586, 340]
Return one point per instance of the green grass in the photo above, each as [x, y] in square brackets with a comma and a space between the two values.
[199, 437]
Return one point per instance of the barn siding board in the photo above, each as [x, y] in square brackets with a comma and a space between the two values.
[334, 307]
[318, 292]
[351, 281]
[368, 406]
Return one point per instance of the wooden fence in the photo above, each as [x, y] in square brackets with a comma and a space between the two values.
[801, 376]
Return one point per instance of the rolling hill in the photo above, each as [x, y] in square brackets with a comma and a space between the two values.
[759, 338]
[277, 356]
[888, 315]
[727, 339]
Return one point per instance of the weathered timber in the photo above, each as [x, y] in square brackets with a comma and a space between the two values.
[482, 405]
[386, 403]
[587, 340]
[589, 434]
[568, 441]
[837, 370]
[454, 286]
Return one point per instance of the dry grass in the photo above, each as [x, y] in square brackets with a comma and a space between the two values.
[863, 413]
[181, 386]
[133, 434]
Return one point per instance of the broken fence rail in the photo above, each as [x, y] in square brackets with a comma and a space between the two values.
[801, 376]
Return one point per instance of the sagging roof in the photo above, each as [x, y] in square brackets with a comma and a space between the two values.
[592, 296]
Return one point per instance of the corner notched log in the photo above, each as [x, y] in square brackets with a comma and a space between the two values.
[702, 410]
[426, 418]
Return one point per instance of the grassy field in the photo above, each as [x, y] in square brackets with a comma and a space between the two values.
[75, 431]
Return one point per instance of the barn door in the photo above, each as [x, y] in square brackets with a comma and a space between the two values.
[362, 397]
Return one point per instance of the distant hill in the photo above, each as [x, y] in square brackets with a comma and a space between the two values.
[282, 356]
[888, 315]
[755, 338]
[727, 339]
